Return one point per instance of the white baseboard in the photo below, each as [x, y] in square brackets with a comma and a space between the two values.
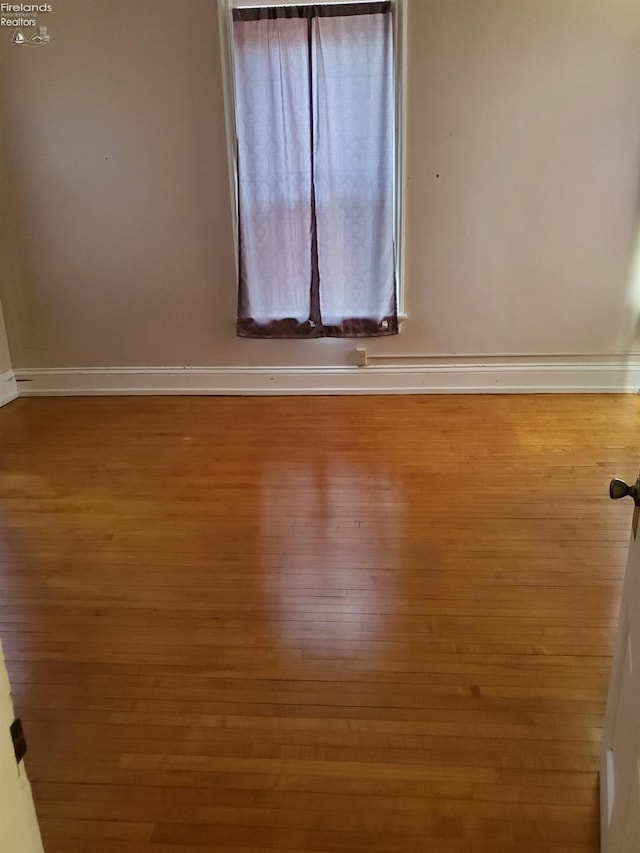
[524, 376]
[8, 387]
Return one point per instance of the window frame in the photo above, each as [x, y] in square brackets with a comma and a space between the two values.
[399, 18]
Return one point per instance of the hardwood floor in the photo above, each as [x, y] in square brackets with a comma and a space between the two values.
[313, 624]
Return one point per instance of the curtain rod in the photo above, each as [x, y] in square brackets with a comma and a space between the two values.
[274, 3]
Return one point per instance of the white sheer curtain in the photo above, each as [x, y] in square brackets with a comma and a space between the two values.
[353, 117]
[274, 166]
[315, 116]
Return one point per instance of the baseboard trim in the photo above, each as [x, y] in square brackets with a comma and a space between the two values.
[8, 387]
[522, 376]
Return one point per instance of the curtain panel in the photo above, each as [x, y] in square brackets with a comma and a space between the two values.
[315, 133]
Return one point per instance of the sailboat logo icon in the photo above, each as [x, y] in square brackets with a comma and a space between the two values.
[41, 37]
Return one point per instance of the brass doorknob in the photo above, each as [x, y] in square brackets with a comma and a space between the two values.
[620, 489]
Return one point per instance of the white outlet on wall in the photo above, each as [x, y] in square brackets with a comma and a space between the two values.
[361, 354]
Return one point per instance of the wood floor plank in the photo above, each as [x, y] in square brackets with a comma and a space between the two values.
[314, 625]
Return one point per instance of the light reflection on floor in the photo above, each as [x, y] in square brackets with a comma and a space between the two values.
[330, 535]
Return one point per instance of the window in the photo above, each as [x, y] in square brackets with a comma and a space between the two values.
[315, 169]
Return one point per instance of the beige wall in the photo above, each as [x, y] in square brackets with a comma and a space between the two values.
[7, 258]
[522, 194]
[5, 357]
